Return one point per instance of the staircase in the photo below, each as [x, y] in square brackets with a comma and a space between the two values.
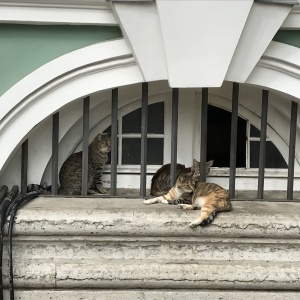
[96, 248]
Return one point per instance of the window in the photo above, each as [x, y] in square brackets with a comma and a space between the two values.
[248, 137]
[274, 158]
[218, 138]
[129, 136]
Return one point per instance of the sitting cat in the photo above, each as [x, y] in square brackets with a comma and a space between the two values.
[209, 197]
[71, 170]
[160, 183]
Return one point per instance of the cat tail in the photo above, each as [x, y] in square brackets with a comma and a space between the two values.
[227, 207]
[209, 219]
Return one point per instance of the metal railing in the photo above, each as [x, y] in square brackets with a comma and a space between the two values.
[174, 137]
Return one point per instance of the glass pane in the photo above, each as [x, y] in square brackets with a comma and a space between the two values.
[108, 129]
[218, 138]
[274, 158]
[131, 151]
[254, 132]
[132, 121]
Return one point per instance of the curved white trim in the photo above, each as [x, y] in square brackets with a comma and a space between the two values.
[72, 76]
[58, 68]
[59, 12]
[278, 69]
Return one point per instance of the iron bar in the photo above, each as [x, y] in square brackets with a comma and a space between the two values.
[262, 144]
[203, 148]
[144, 130]
[114, 142]
[55, 134]
[233, 138]
[24, 167]
[85, 146]
[174, 136]
[292, 150]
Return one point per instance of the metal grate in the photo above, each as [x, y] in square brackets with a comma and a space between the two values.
[174, 138]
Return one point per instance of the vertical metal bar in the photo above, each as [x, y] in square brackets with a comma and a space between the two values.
[144, 130]
[114, 142]
[292, 149]
[24, 167]
[233, 138]
[204, 109]
[55, 133]
[174, 135]
[85, 146]
[262, 144]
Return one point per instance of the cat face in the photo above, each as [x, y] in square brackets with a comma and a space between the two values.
[186, 183]
[103, 142]
[195, 169]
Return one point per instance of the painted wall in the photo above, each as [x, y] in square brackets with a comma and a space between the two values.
[289, 37]
[24, 48]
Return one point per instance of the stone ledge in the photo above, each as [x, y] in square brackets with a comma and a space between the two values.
[151, 295]
[129, 217]
[64, 248]
[160, 274]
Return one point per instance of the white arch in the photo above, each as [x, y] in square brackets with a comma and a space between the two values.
[77, 74]
[103, 66]
[278, 69]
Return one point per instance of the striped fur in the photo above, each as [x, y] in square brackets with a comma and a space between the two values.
[42, 188]
[209, 197]
[160, 183]
[71, 170]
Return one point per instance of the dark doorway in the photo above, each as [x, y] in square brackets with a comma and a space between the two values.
[218, 138]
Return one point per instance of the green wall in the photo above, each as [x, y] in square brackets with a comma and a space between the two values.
[290, 37]
[24, 48]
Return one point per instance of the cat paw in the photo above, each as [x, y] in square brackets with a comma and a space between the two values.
[90, 192]
[185, 206]
[149, 201]
[102, 190]
[194, 223]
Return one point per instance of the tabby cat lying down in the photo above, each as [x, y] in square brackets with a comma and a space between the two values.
[209, 197]
[160, 183]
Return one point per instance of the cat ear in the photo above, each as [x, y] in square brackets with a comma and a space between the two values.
[44, 185]
[209, 163]
[196, 163]
[99, 136]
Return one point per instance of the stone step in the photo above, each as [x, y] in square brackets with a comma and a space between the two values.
[76, 244]
[158, 274]
[152, 295]
[146, 248]
[129, 217]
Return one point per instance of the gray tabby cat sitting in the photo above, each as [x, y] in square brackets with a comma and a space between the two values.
[71, 170]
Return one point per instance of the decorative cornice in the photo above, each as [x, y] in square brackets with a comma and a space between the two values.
[57, 12]
[280, 66]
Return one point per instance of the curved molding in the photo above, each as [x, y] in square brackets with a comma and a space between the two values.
[278, 69]
[87, 56]
[75, 75]
[101, 66]
[57, 12]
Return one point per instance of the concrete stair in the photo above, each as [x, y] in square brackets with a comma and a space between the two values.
[96, 248]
